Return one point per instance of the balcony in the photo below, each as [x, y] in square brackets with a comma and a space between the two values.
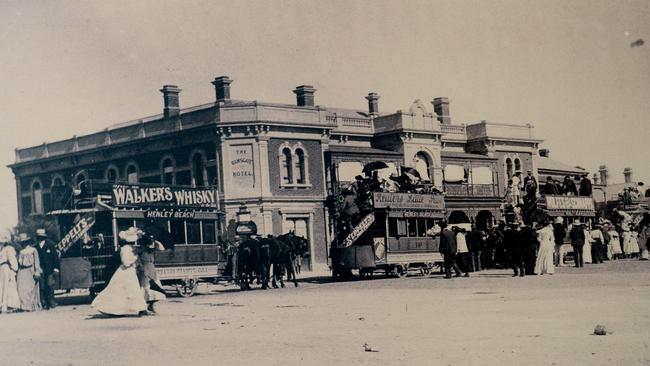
[470, 190]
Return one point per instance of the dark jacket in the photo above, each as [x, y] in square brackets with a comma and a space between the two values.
[585, 187]
[551, 189]
[448, 242]
[475, 241]
[559, 232]
[48, 256]
[513, 241]
[569, 187]
[577, 235]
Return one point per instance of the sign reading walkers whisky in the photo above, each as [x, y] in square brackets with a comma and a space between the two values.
[147, 196]
[408, 200]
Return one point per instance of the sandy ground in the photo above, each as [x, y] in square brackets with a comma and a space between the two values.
[488, 319]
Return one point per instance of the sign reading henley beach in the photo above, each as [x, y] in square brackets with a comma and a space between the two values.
[408, 200]
[241, 167]
[147, 196]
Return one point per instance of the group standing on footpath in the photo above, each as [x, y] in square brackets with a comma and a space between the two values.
[29, 268]
[27, 273]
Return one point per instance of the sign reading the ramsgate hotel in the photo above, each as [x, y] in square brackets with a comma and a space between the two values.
[241, 167]
[143, 196]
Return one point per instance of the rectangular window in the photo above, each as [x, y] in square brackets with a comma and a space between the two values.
[193, 232]
[178, 231]
[422, 227]
[412, 228]
[401, 227]
[209, 232]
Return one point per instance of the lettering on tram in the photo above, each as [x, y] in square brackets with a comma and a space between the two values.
[136, 195]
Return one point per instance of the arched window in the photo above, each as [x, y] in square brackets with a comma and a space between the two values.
[301, 167]
[509, 170]
[132, 173]
[79, 179]
[286, 166]
[111, 175]
[37, 197]
[198, 170]
[168, 176]
[517, 165]
[57, 181]
[422, 165]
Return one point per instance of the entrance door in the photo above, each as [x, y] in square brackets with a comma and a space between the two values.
[300, 227]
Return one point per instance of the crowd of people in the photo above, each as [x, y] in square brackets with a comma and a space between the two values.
[539, 247]
[27, 273]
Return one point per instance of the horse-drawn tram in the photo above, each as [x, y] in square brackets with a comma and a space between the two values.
[395, 235]
[186, 220]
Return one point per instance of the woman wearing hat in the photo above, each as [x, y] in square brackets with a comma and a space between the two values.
[8, 267]
[544, 262]
[29, 273]
[123, 295]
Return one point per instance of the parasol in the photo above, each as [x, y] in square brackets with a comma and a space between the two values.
[411, 171]
[375, 165]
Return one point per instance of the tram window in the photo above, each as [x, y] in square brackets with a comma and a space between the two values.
[392, 228]
[124, 224]
[422, 227]
[178, 231]
[209, 235]
[412, 228]
[193, 232]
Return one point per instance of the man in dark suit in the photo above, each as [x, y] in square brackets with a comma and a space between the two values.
[448, 249]
[577, 235]
[514, 243]
[585, 186]
[529, 238]
[49, 258]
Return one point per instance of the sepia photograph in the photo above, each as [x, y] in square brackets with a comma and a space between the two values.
[296, 182]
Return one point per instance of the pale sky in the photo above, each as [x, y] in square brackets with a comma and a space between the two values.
[567, 67]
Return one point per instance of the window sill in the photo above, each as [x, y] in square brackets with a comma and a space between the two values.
[295, 186]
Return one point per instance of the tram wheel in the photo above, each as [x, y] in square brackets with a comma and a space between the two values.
[186, 288]
[366, 273]
[401, 271]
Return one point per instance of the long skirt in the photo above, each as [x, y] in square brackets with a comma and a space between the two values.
[586, 252]
[8, 289]
[123, 295]
[544, 262]
[29, 291]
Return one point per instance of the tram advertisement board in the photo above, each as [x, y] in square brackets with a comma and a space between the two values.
[79, 230]
[358, 230]
[135, 195]
[570, 205]
[408, 200]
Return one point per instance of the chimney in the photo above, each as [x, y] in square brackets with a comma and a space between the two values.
[441, 107]
[544, 153]
[170, 99]
[602, 170]
[627, 175]
[373, 104]
[305, 95]
[222, 88]
[594, 179]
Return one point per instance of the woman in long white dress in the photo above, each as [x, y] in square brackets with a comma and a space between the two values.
[586, 249]
[123, 295]
[545, 254]
[614, 245]
[630, 244]
[9, 299]
[29, 273]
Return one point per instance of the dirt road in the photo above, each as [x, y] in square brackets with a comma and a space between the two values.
[488, 319]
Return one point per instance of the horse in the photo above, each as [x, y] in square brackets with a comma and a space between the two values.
[248, 255]
[294, 247]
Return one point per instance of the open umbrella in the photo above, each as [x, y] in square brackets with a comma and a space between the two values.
[160, 234]
[411, 171]
[375, 165]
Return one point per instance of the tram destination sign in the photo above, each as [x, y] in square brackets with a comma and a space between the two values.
[132, 195]
[408, 201]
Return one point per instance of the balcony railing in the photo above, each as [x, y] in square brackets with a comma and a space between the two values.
[470, 190]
